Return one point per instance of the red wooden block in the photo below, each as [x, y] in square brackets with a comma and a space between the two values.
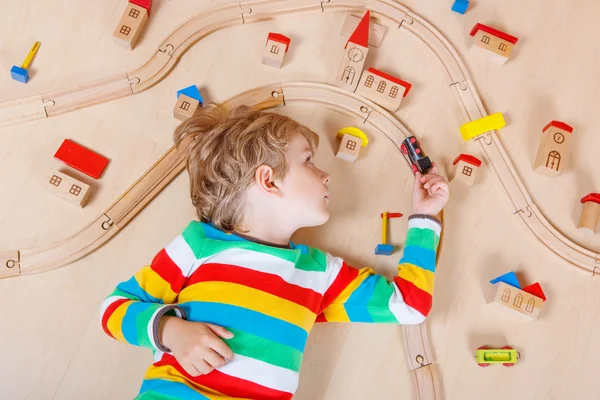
[536, 290]
[81, 158]
[360, 36]
[147, 4]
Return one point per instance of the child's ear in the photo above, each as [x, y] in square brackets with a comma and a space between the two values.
[265, 180]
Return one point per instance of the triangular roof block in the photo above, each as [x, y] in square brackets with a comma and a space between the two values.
[191, 91]
[509, 278]
[536, 290]
[360, 36]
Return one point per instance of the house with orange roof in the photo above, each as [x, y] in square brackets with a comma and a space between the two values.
[384, 89]
[493, 43]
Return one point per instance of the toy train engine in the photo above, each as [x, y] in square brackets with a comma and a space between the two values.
[415, 156]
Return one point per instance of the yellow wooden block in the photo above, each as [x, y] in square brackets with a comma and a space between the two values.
[475, 128]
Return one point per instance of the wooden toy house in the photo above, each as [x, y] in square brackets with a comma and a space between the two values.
[354, 57]
[385, 90]
[188, 101]
[275, 49]
[466, 169]
[67, 188]
[352, 140]
[590, 214]
[130, 25]
[493, 43]
[552, 154]
[506, 293]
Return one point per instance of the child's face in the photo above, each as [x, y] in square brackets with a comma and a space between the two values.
[304, 187]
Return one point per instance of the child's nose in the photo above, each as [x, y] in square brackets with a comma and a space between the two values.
[326, 178]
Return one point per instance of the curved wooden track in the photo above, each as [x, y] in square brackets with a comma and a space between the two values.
[182, 38]
[141, 192]
[419, 354]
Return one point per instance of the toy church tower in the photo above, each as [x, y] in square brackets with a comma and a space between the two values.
[355, 55]
[552, 155]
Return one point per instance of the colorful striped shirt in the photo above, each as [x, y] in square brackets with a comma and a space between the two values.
[268, 297]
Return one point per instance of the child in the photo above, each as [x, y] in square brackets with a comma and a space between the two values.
[227, 305]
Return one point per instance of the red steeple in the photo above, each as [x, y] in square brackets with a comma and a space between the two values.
[360, 36]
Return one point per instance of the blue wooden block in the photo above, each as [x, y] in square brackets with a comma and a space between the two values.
[460, 6]
[384, 249]
[509, 278]
[191, 91]
[19, 74]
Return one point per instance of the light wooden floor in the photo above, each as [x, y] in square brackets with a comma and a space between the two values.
[53, 346]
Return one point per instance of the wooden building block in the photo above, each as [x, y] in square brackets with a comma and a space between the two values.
[590, 214]
[385, 90]
[354, 56]
[507, 297]
[81, 158]
[349, 148]
[191, 91]
[185, 107]
[460, 6]
[147, 4]
[482, 125]
[130, 25]
[552, 156]
[496, 44]
[466, 169]
[275, 49]
[376, 31]
[67, 187]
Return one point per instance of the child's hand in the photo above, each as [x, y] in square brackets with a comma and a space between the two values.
[195, 345]
[430, 193]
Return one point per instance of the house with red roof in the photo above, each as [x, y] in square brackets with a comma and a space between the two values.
[132, 23]
[466, 169]
[384, 89]
[552, 155]
[505, 292]
[354, 56]
[495, 44]
[590, 214]
[275, 48]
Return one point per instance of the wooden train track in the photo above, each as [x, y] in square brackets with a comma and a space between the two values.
[140, 193]
[43, 258]
[395, 14]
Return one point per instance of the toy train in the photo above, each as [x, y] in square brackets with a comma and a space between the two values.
[506, 356]
[415, 156]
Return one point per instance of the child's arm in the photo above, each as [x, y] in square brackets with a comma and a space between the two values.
[362, 296]
[132, 312]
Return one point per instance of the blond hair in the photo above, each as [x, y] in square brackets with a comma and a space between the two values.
[224, 149]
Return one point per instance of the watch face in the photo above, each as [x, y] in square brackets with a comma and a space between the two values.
[355, 54]
[559, 137]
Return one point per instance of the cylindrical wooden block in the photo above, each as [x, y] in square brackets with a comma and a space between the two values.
[589, 218]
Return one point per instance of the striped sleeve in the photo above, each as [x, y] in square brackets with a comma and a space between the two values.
[131, 313]
[361, 295]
